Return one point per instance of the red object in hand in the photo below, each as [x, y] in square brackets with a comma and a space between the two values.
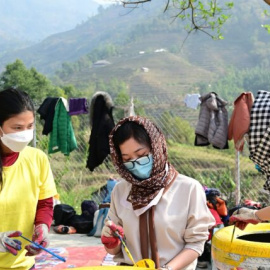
[109, 234]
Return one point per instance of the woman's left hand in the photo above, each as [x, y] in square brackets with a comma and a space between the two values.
[41, 237]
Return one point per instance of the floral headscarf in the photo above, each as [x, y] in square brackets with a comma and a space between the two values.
[143, 192]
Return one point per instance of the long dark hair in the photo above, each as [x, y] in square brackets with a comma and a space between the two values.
[130, 130]
[12, 102]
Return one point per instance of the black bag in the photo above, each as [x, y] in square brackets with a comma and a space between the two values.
[80, 223]
[89, 208]
[62, 213]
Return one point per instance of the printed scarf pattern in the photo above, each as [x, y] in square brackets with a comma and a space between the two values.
[143, 192]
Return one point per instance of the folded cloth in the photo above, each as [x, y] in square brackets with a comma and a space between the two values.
[78, 106]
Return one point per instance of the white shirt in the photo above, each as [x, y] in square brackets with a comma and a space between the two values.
[182, 220]
[192, 100]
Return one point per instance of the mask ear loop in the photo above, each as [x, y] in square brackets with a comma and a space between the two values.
[2, 132]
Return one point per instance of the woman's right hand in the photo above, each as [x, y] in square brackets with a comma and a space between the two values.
[7, 244]
[109, 235]
[241, 217]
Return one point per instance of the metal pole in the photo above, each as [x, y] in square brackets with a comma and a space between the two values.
[237, 178]
[34, 142]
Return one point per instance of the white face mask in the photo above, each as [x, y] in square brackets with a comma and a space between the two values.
[17, 141]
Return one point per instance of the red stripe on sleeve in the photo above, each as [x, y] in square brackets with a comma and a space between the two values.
[44, 213]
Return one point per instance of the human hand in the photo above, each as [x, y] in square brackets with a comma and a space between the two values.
[108, 234]
[41, 237]
[243, 216]
[10, 245]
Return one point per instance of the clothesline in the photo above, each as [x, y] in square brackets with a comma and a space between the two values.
[236, 129]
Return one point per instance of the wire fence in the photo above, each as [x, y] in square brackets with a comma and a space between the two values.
[232, 173]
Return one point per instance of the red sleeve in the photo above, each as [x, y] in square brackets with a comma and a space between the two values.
[44, 213]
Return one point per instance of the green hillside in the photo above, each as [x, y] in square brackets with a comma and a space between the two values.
[148, 28]
[167, 73]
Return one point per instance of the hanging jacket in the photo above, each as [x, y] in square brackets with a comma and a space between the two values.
[212, 126]
[102, 123]
[62, 137]
[46, 111]
[240, 119]
[259, 134]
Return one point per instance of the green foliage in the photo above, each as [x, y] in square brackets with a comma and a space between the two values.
[84, 63]
[206, 16]
[266, 26]
[71, 91]
[29, 80]
[121, 101]
[216, 169]
[177, 129]
[103, 52]
[234, 82]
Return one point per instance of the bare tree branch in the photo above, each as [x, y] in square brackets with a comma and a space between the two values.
[167, 5]
[134, 2]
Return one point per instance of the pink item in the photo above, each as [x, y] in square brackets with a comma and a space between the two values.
[240, 120]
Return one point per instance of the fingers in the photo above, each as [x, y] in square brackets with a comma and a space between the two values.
[8, 244]
[241, 225]
[12, 246]
[12, 250]
[233, 219]
[110, 242]
[14, 234]
[111, 225]
[40, 237]
[106, 231]
[116, 228]
[32, 250]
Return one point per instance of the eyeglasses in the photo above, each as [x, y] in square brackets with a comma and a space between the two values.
[141, 161]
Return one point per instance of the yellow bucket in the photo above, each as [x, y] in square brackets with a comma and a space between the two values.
[249, 249]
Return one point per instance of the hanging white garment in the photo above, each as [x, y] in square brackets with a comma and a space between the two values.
[192, 100]
[131, 111]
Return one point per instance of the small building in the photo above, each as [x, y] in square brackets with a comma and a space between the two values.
[160, 50]
[144, 69]
[101, 63]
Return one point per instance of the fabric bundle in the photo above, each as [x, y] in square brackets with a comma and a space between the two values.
[259, 134]
[101, 121]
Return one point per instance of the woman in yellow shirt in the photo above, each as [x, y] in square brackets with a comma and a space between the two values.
[26, 184]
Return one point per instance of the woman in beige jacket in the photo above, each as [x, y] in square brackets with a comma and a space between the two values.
[162, 214]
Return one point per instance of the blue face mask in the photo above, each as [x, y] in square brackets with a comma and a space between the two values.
[140, 170]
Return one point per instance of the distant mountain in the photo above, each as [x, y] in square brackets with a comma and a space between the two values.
[34, 20]
[147, 29]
